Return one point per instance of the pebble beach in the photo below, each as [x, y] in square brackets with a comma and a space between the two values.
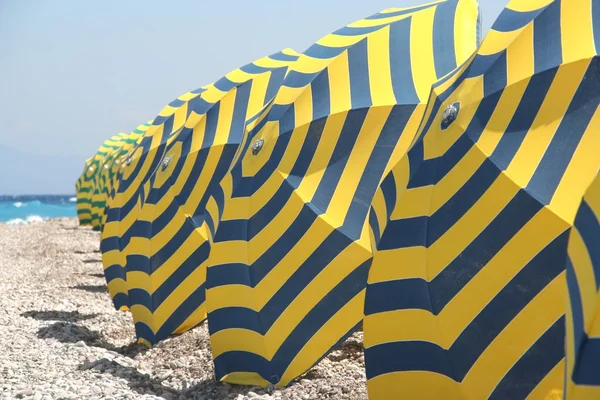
[61, 337]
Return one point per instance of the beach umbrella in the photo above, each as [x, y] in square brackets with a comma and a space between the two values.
[466, 291]
[583, 300]
[83, 189]
[99, 167]
[114, 162]
[168, 268]
[161, 261]
[288, 267]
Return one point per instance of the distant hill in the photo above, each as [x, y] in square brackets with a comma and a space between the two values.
[28, 173]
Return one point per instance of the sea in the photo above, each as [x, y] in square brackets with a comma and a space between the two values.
[27, 209]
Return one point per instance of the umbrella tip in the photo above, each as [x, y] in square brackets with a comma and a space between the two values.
[449, 115]
[257, 146]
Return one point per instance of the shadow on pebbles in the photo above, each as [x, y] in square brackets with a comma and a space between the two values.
[62, 339]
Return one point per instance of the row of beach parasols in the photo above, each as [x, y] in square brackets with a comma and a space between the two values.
[402, 175]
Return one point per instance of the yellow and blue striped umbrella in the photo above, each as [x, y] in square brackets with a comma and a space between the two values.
[288, 267]
[583, 300]
[125, 241]
[466, 291]
[111, 175]
[83, 189]
[101, 167]
[170, 243]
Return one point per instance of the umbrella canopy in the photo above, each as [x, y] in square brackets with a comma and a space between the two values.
[83, 192]
[182, 129]
[583, 300]
[114, 162]
[100, 167]
[287, 271]
[466, 289]
[170, 240]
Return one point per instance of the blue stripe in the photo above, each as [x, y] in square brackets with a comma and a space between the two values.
[400, 67]
[297, 80]
[511, 20]
[183, 271]
[339, 158]
[388, 188]
[228, 274]
[462, 201]
[314, 264]
[319, 88]
[199, 106]
[255, 69]
[495, 79]
[357, 31]
[588, 364]
[283, 245]
[432, 171]
[305, 156]
[404, 294]
[143, 331]
[399, 13]
[596, 24]
[275, 81]
[406, 356]
[374, 224]
[547, 48]
[137, 262]
[535, 364]
[320, 315]
[516, 214]
[406, 232]
[233, 317]
[443, 37]
[242, 361]
[506, 305]
[183, 312]
[522, 120]
[120, 300]
[113, 272]
[373, 172]
[566, 139]
[477, 336]
[176, 103]
[348, 288]
[195, 91]
[324, 52]
[225, 84]
[358, 69]
[280, 56]
[140, 297]
[588, 226]
[579, 334]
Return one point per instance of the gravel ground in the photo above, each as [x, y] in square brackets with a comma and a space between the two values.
[60, 337]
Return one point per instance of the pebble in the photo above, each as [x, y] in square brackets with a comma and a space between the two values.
[73, 344]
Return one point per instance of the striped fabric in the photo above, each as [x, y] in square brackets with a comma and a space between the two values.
[583, 300]
[93, 186]
[114, 162]
[288, 269]
[83, 191]
[168, 242]
[465, 294]
[101, 166]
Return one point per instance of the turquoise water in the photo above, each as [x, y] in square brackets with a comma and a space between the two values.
[22, 209]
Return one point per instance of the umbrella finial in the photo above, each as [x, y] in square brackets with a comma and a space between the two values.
[165, 163]
[257, 146]
[449, 115]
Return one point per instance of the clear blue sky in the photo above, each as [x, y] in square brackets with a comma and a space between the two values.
[76, 72]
